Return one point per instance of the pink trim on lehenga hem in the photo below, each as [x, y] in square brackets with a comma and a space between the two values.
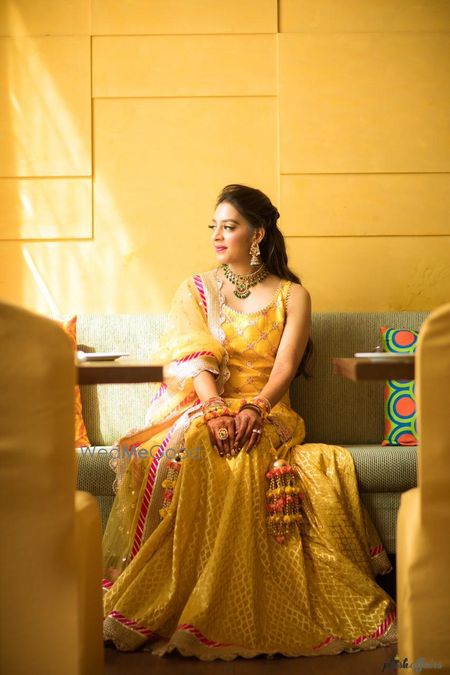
[134, 625]
[148, 634]
[381, 630]
[202, 638]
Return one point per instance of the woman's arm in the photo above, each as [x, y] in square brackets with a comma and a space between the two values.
[292, 345]
[290, 351]
[205, 385]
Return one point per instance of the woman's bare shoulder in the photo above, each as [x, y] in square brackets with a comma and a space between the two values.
[299, 290]
[298, 296]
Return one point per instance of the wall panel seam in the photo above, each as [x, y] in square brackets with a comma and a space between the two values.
[363, 236]
[191, 96]
[138, 35]
[47, 240]
[92, 141]
[366, 173]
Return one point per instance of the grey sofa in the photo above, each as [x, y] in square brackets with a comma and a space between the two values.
[336, 411]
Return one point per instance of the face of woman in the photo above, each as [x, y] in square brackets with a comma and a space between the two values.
[232, 235]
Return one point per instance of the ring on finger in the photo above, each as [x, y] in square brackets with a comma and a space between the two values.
[222, 433]
[256, 431]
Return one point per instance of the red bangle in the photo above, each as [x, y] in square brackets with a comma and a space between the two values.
[255, 406]
[264, 401]
[218, 412]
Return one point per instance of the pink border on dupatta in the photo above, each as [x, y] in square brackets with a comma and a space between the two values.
[159, 393]
[147, 495]
[152, 471]
[199, 285]
[194, 355]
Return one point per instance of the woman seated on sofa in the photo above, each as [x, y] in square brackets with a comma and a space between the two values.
[228, 535]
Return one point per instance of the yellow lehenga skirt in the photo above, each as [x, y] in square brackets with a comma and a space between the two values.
[211, 582]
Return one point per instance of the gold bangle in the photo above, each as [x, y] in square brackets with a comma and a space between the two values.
[253, 406]
[213, 400]
[265, 401]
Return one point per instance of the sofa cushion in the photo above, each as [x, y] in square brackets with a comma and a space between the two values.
[400, 423]
[384, 469]
[383, 509]
[96, 476]
[81, 436]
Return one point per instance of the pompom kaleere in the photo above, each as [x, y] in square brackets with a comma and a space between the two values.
[282, 500]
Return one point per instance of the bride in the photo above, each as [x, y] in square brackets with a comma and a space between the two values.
[229, 536]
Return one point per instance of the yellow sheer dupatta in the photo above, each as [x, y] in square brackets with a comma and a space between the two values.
[191, 343]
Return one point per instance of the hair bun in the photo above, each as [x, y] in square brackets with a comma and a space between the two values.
[275, 215]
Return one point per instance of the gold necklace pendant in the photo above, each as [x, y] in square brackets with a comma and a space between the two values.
[243, 282]
[242, 290]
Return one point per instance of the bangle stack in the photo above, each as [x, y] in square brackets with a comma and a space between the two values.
[215, 407]
[259, 403]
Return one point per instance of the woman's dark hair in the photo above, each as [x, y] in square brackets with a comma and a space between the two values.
[259, 211]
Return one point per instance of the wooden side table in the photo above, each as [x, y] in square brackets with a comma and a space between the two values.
[107, 372]
[359, 369]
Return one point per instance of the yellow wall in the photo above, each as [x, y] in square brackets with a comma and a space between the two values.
[121, 120]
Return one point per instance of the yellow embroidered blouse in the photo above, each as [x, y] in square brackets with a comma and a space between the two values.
[251, 340]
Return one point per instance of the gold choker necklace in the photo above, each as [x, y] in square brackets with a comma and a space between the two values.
[243, 282]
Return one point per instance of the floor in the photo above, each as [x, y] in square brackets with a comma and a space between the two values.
[360, 663]
[368, 663]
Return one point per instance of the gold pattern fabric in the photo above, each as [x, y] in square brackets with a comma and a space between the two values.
[208, 579]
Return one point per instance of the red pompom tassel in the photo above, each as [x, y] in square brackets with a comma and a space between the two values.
[283, 500]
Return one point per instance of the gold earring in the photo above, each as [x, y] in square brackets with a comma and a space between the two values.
[255, 253]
